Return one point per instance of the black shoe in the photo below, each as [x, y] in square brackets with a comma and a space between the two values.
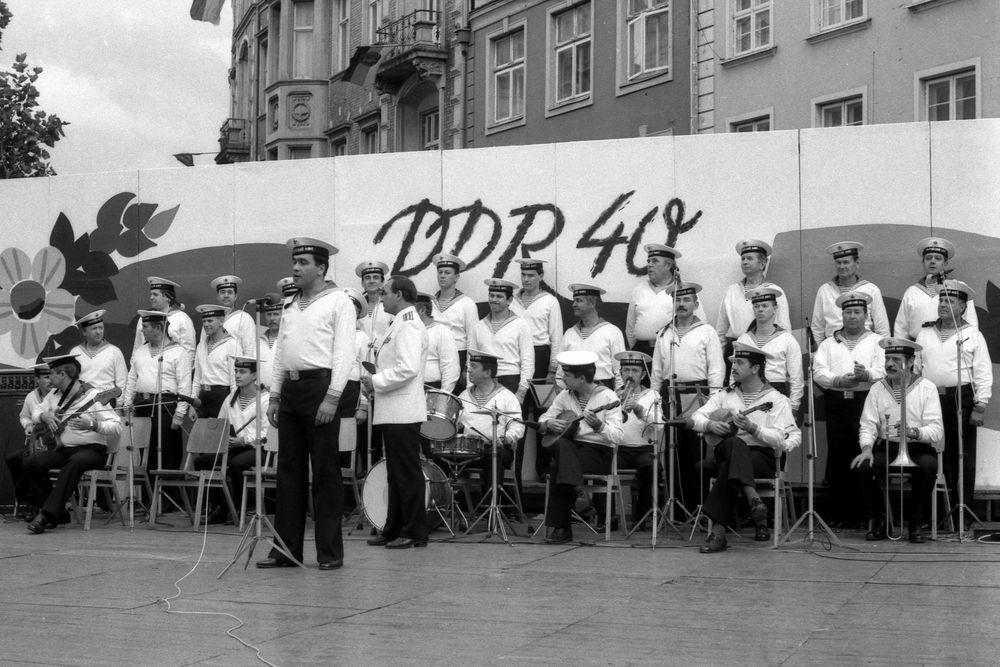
[40, 524]
[560, 536]
[377, 541]
[405, 543]
[30, 513]
[761, 533]
[758, 512]
[917, 537]
[876, 531]
[273, 562]
[331, 564]
[714, 544]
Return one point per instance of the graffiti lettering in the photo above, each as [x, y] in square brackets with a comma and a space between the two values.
[482, 225]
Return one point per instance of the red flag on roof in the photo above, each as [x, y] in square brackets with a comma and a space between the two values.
[207, 10]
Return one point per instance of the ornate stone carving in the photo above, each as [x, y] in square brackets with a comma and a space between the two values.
[299, 110]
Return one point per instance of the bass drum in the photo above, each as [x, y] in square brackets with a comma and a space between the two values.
[375, 494]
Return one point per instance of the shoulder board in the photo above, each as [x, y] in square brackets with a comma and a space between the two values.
[407, 317]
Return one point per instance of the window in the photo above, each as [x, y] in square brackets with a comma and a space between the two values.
[648, 28]
[835, 13]
[430, 129]
[343, 50]
[951, 97]
[369, 139]
[508, 76]
[752, 125]
[751, 25]
[842, 113]
[339, 147]
[374, 20]
[299, 152]
[572, 52]
[302, 39]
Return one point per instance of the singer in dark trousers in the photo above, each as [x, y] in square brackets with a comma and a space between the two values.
[312, 361]
[400, 408]
[652, 302]
[920, 301]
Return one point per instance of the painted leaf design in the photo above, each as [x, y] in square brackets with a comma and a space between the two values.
[160, 223]
[109, 223]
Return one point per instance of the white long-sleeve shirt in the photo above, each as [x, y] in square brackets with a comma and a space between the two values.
[919, 306]
[566, 404]
[399, 380]
[828, 316]
[247, 419]
[736, 310]
[605, 340]
[697, 357]
[241, 326]
[636, 430]
[544, 318]
[777, 425]
[649, 310]
[106, 421]
[441, 364]
[103, 369]
[511, 342]
[923, 412]
[376, 321]
[215, 366]
[145, 370]
[26, 416]
[784, 361]
[460, 316]
[481, 426]
[834, 358]
[938, 361]
[321, 335]
[180, 329]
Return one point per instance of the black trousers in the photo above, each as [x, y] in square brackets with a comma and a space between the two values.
[921, 480]
[570, 462]
[952, 418]
[641, 459]
[242, 453]
[19, 484]
[735, 465]
[303, 441]
[531, 410]
[644, 346]
[691, 488]
[211, 402]
[173, 441]
[406, 515]
[843, 422]
[72, 462]
[460, 385]
[505, 456]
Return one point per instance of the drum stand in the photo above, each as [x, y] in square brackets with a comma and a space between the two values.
[455, 469]
[496, 521]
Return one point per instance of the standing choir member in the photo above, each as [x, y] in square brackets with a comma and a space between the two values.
[652, 302]
[400, 408]
[454, 308]
[163, 299]
[372, 275]
[239, 323]
[593, 333]
[102, 365]
[826, 314]
[784, 356]
[506, 336]
[441, 368]
[312, 362]
[920, 300]
[736, 309]
[213, 367]
[541, 310]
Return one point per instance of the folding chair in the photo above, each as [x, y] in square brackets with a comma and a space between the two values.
[777, 487]
[208, 436]
[898, 478]
[268, 474]
[113, 479]
[610, 485]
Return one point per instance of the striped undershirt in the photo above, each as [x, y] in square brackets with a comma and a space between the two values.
[750, 398]
[245, 401]
[443, 303]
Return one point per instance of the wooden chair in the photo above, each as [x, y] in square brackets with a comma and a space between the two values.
[268, 474]
[113, 479]
[349, 444]
[777, 487]
[899, 478]
[208, 436]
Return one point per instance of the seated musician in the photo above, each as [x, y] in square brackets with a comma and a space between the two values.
[485, 393]
[27, 505]
[241, 409]
[81, 425]
[761, 435]
[924, 426]
[587, 423]
[640, 410]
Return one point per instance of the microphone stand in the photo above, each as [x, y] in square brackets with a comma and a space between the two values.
[254, 532]
[961, 507]
[496, 521]
[811, 515]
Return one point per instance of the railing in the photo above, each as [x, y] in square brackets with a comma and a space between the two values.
[418, 27]
[235, 135]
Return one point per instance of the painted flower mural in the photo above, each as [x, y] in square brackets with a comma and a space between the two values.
[32, 305]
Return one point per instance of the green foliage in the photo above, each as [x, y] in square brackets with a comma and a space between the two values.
[25, 129]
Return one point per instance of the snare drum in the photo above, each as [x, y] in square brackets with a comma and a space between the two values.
[442, 416]
[375, 494]
[460, 447]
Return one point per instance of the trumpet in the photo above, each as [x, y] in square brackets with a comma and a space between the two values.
[627, 392]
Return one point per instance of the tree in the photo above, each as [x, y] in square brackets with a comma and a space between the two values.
[25, 129]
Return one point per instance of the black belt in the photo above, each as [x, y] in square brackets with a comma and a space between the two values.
[943, 391]
[167, 395]
[215, 387]
[309, 374]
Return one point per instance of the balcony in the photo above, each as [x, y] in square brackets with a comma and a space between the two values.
[412, 44]
[234, 141]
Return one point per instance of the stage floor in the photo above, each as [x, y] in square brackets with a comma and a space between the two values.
[71, 597]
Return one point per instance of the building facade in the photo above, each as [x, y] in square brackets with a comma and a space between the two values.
[315, 78]
[786, 64]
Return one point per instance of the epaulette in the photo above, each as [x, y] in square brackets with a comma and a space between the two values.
[407, 317]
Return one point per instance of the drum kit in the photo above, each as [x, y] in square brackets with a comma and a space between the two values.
[441, 488]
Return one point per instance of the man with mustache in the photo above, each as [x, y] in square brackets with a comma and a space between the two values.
[826, 314]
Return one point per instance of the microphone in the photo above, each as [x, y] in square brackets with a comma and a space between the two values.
[940, 275]
[263, 301]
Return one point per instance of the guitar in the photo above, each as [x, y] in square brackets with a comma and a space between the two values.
[726, 415]
[43, 438]
[572, 425]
